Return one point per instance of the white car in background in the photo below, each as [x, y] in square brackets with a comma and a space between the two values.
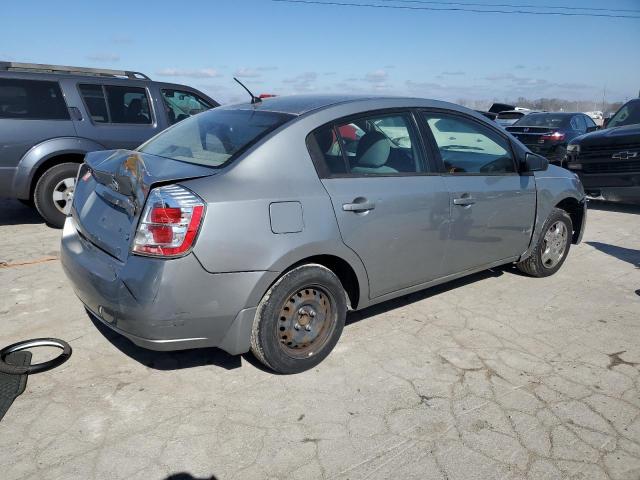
[507, 118]
[597, 116]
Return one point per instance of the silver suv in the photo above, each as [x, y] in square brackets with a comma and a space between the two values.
[258, 226]
[50, 116]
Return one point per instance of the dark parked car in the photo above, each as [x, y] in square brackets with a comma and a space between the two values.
[608, 161]
[257, 226]
[50, 116]
[549, 133]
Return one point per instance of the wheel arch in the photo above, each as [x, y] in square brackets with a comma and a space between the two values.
[342, 269]
[576, 212]
[351, 274]
[45, 155]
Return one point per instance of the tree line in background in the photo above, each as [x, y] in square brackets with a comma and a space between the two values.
[548, 104]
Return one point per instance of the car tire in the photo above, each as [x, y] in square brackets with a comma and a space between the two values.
[54, 193]
[299, 320]
[552, 247]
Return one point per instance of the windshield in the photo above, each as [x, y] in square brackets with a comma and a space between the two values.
[213, 137]
[629, 114]
[542, 120]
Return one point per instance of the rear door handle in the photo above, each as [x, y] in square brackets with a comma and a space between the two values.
[464, 201]
[75, 113]
[358, 206]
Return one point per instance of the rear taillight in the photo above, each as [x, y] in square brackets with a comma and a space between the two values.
[170, 222]
[555, 136]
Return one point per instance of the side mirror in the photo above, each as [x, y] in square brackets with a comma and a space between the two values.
[605, 122]
[592, 129]
[535, 163]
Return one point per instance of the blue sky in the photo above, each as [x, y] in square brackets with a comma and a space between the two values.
[288, 48]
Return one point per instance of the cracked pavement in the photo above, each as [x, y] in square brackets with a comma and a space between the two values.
[496, 376]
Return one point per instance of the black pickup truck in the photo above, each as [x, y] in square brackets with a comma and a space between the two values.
[608, 161]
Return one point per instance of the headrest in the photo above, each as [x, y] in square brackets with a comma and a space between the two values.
[373, 150]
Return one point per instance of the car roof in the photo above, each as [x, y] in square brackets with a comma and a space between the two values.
[301, 104]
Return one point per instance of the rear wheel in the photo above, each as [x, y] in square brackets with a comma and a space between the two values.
[552, 247]
[53, 194]
[299, 320]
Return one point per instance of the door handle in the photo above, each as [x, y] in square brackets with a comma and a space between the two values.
[358, 206]
[464, 201]
[75, 113]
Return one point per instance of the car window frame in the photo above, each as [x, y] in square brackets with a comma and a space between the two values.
[317, 156]
[69, 117]
[589, 122]
[152, 124]
[430, 138]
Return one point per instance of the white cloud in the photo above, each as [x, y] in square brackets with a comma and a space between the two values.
[192, 73]
[244, 72]
[304, 82]
[104, 57]
[377, 76]
[122, 39]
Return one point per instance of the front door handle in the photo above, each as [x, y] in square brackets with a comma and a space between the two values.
[363, 206]
[464, 201]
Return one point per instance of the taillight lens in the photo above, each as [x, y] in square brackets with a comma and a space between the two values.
[557, 136]
[170, 222]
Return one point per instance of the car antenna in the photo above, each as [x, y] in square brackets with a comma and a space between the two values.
[254, 99]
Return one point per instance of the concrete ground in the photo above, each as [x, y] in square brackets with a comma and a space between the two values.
[498, 376]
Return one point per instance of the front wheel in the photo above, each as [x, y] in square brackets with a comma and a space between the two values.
[54, 193]
[552, 247]
[299, 320]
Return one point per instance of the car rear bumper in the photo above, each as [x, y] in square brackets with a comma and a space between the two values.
[612, 186]
[164, 304]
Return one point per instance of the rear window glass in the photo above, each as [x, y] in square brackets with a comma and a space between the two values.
[32, 99]
[213, 137]
[542, 120]
[116, 104]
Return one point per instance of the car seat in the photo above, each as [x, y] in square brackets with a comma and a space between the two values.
[372, 154]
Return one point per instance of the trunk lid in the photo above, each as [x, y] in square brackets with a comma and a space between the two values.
[111, 191]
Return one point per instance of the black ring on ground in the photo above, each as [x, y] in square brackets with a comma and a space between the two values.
[38, 367]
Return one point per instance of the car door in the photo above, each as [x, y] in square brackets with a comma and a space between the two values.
[492, 205]
[392, 208]
[118, 115]
[578, 125]
[31, 111]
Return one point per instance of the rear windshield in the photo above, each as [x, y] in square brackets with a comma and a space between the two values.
[213, 137]
[542, 120]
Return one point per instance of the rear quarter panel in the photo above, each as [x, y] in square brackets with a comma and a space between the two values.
[237, 234]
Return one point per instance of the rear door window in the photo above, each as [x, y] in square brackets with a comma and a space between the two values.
[32, 100]
[180, 104]
[467, 147]
[116, 104]
[578, 124]
[96, 102]
[384, 144]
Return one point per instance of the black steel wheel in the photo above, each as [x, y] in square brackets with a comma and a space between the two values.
[299, 319]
